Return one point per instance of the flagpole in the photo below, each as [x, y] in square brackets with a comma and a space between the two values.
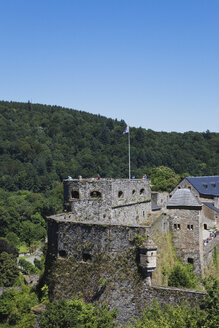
[129, 154]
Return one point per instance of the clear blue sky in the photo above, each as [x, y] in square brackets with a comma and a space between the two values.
[153, 63]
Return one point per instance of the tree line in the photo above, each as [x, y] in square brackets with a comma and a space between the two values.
[41, 145]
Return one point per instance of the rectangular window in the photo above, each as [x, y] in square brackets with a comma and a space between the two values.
[176, 226]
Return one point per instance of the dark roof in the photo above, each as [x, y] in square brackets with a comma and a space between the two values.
[205, 185]
[183, 198]
[211, 206]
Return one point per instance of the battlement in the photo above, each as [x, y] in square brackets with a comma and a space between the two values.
[107, 200]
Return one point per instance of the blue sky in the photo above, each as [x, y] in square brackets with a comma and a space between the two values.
[153, 63]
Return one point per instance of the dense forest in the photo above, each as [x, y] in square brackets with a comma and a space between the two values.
[40, 145]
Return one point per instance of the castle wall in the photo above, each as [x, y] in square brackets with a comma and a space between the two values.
[160, 198]
[186, 227]
[101, 264]
[107, 200]
[208, 217]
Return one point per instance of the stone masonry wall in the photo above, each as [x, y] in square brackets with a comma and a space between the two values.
[187, 185]
[100, 263]
[114, 201]
[186, 227]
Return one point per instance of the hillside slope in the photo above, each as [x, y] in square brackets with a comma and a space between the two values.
[40, 145]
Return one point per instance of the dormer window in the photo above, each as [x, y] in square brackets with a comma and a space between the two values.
[205, 185]
[213, 184]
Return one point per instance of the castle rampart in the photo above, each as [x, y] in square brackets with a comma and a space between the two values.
[113, 201]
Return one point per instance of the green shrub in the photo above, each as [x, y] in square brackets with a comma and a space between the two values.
[15, 308]
[183, 276]
[28, 267]
[75, 313]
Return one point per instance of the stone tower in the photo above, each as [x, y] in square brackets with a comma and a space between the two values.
[116, 201]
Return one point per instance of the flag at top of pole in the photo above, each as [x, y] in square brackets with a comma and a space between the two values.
[126, 130]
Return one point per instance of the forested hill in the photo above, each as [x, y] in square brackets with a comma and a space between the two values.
[40, 145]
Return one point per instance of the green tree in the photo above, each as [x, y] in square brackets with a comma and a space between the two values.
[8, 269]
[183, 276]
[210, 304]
[15, 308]
[75, 313]
[169, 316]
[163, 178]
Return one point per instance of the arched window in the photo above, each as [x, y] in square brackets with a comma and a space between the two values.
[205, 226]
[133, 191]
[95, 194]
[75, 194]
[142, 191]
[120, 194]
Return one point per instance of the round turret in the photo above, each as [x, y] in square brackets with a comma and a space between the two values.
[147, 258]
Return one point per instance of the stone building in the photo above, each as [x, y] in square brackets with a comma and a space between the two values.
[115, 201]
[185, 222]
[205, 188]
[101, 248]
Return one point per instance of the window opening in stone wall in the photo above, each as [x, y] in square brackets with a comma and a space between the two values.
[143, 213]
[75, 194]
[86, 257]
[179, 187]
[120, 194]
[176, 226]
[142, 191]
[189, 187]
[205, 226]
[133, 191]
[190, 260]
[95, 194]
[190, 227]
[62, 253]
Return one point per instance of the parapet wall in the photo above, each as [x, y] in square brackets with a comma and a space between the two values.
[119, 201]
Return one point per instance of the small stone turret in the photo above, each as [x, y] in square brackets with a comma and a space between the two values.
[147, 259]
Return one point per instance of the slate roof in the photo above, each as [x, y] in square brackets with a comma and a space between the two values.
[211, 206]
[183, 198]
[205, 185]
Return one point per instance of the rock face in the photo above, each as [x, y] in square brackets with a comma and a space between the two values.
[100, 250]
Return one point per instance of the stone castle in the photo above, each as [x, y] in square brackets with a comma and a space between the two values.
[102, 246]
